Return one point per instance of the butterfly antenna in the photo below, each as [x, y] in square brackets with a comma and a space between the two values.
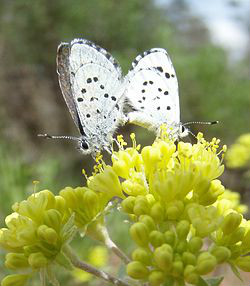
[201, 122]
[47, 136]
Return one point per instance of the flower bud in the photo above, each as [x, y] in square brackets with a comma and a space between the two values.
[156, 278]
[170, 237]
[148, 221]
[163, 256]
[48, 234]
[140, 234]
[195, 244]
[128, 204]
[182, 229]
[246, 242]
[137, 270]
[188, 258]
[231, 222]
[181, 246]
[150, 156]
[16, 261]
[174, 210]
[221, 253]
[142, 255]
[243, 263]
[141, 206]
[206, 262]
[157, 212]
[37, 260]
[156, 238]
[190, 275]
[53, 219]
[177, 268]
[15, 280]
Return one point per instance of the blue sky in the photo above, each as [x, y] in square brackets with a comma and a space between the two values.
[226, 21]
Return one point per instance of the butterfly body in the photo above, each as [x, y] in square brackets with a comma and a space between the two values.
[152, 92]
[92, 86]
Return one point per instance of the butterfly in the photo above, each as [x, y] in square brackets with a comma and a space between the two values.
[92, 86]
[152, 92]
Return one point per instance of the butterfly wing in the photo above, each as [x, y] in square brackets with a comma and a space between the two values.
[97, 89]
[152, 90]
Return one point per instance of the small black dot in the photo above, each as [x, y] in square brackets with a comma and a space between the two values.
[104, 117]
[166, 92]
[113, 98]
[89, 80]
[142, 107]
[145, 83]
[92, 98]
[117, 107]
[88, 115]
[108, 56]
[143, 91]
[167, 75]
[143, 97]
[139, 101]
[83, 90]
[150, 82]
[158, 108]
[172, 75]
[114, 120]
[159, 89]
[101, 86]
[72, 73]
[95, 79]
[98, 111]
[168, 107]
[106, 95]
[79, 99]
[160, 69]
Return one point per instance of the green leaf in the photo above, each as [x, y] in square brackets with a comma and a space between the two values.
[202, 282]
[235, 271]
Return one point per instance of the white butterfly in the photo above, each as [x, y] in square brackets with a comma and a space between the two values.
[92, 86]
[152, 92]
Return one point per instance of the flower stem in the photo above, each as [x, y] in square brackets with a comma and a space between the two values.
[92, 270]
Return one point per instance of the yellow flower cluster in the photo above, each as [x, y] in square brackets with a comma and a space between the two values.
[238, 155]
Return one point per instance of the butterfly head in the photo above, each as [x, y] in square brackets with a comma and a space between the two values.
[183, 131]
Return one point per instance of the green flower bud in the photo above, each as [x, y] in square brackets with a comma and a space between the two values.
[243, 263]
[148, 221]
[140, 234]
[195, 244]
[163, 256]
[157, 212]
[209, 197]
[91, 202]
[128, 204]
[48, 234]
[246, 242]
[142, 255]
[182, 229]
[16, 261]
[231, 222]
[174, 210]
[181, 246]
[188, 258]
[141, 206]
[206, 263]
[170, 237]
[137, 270]
[221, 253]
[190, 275]
[53, 219]
[156, 278]
[156, 238]
[37, 260]
[177, 268]
[15, 280]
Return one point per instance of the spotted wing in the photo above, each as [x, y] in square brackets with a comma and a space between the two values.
[152, 90]
[96, 86]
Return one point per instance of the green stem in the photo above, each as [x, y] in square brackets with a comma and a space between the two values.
[92, 270]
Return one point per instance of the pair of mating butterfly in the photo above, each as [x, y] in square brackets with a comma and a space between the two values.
[99, 98]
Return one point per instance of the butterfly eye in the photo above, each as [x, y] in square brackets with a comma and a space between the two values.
[182, 129]
[84, 145]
